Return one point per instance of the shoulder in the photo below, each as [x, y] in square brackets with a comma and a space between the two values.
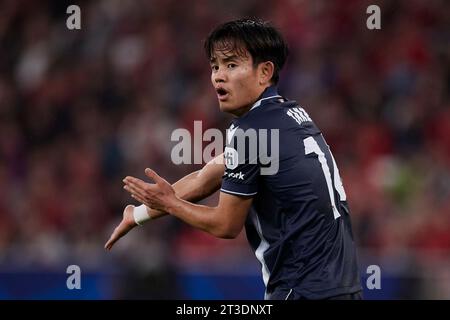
[269, 115]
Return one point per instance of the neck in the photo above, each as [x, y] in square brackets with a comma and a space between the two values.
[262, 94]
[241, 111]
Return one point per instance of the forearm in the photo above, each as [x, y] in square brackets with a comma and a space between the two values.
[205, 218]
[224, 220]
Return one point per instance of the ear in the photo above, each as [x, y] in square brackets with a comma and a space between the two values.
[266, 72]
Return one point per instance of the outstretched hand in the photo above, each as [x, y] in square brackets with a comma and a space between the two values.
[159, 195]
[124, 226]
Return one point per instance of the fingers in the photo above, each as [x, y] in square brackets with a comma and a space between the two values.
[134, 189]
[109, 244]
[142, 191]
[137, 183]
[114, 237]
[123, 228]
[149, 194]
[139, 198]
[153, 175]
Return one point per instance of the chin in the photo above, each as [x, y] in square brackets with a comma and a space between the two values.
[224, 107]
[235, 111]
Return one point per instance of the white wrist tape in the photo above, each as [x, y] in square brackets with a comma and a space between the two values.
[140, 214]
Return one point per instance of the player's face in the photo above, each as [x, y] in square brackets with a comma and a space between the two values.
[237, 81]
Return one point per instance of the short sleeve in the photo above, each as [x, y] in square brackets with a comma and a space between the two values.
[241, 166]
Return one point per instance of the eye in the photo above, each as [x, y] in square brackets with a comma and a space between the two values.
[231, 65]
[214, 67]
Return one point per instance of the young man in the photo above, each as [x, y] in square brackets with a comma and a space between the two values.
[294, 207]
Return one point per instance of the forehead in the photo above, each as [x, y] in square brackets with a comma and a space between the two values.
[229, 49]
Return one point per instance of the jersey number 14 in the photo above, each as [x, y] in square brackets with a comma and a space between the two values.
[311, 146]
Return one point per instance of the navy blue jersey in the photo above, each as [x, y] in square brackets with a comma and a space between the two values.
[299, 223]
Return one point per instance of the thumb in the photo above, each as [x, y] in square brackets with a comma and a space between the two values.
[153, 175]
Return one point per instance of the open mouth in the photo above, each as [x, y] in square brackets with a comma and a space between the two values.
[222, 94]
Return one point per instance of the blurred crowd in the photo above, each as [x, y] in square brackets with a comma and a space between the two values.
[81, 109]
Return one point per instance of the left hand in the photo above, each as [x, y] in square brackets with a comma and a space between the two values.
[123, 228]
[159, 195]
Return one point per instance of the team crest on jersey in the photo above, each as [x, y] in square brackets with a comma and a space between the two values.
[231, 158]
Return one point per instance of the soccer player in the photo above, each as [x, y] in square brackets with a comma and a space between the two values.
[294, 206]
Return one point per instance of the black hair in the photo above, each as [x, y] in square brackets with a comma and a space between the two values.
[259, 38]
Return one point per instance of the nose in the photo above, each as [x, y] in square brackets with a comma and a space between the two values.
[219, 76]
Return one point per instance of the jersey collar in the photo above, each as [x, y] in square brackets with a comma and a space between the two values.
[269, 93]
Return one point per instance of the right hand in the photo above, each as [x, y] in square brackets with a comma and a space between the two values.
[124, 226]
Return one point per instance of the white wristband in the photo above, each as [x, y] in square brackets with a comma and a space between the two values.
[140, 214]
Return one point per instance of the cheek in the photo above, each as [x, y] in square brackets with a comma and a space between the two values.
[244, 79]
[247, 82]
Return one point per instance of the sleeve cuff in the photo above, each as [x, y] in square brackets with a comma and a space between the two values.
[239, 189]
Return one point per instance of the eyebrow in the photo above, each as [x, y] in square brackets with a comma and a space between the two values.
[227, 59]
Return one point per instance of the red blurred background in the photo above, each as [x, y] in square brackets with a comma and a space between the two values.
[81, 109]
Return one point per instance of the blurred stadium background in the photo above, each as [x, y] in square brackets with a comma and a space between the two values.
[81, 109]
